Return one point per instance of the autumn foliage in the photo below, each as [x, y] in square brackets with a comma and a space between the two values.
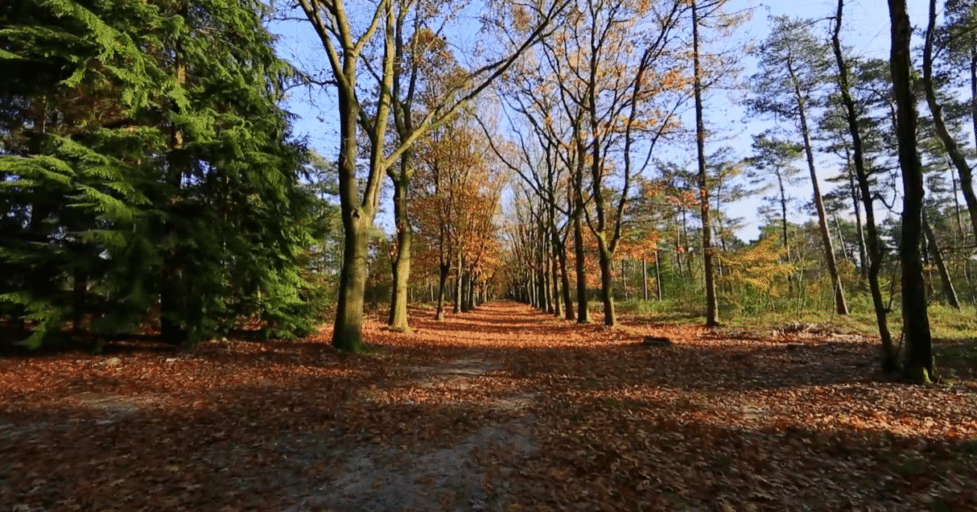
[502, 408]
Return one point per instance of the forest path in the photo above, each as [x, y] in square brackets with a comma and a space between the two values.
[465, 419]
[501, 408]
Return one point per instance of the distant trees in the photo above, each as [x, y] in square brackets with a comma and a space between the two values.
[790, 70]
[610, 66]
[858, 162]
[919, 361]
[458, 193]
[346, 38]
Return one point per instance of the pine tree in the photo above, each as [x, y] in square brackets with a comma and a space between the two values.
[145, 153]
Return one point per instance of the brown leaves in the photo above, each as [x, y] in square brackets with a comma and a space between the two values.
[502, 408]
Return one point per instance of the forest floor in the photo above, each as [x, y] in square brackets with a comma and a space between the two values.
[502, 408]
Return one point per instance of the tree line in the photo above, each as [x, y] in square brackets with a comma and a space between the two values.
[586, 139]
[151, 179]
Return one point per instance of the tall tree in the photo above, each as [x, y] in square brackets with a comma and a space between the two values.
[790, 71]
[919, 361]
[950, 144]
[889, 355]
[712, 313]
[701, 11]
[425, 73]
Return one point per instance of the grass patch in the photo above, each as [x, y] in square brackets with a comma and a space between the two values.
[946, 323]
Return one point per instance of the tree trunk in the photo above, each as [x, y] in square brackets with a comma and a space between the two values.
[457, 305]
[644, 280]
[919, 363]
[545, 277]
[606, 283]
[397, 320]
[939, 125]
[841, 307]
[347, 331]
[443, 271]
[841, 241]
[465, 292]
[934, 245]
[973, 90]
[561, 254]
[171, 293]
[962, 235]
[712, 306]
[783, 229]
[862, 254]
[889, 355]
[555, 280]
[583, 314]
[469, 301]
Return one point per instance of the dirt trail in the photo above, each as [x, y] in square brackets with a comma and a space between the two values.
[501, 408]
[444, 476]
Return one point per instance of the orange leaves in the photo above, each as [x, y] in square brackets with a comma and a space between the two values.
[457, 192]
[503, 408]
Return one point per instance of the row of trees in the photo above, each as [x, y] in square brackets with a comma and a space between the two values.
[417, 88]
[147, 165]
[588, 125]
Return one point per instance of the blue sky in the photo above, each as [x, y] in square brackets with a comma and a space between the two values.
[866, 31]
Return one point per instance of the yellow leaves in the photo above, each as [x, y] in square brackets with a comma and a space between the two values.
[759, 266]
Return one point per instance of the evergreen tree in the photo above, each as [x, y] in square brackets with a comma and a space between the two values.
[144, 156]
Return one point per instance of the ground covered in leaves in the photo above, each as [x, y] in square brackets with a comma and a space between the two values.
[501, 408]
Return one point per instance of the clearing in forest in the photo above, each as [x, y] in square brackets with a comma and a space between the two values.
[502, 408]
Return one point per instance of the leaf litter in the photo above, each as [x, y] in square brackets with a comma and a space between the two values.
[501, 408]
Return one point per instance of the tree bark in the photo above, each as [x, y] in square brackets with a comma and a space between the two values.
[783, 222]
[583, 314]
[469, 300]
[712, 306]
[397, 319]
[859, 230]
[347, 331]
[458, 283]
[443, 271]
[963, 236]
[934, 245]
[939, 125]
[555, 280]
[561, 254]
[889, 355]
[644, 279]
[606, 281]
[919, 362]
[544, 273]
[841, 241]
[841, 307]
